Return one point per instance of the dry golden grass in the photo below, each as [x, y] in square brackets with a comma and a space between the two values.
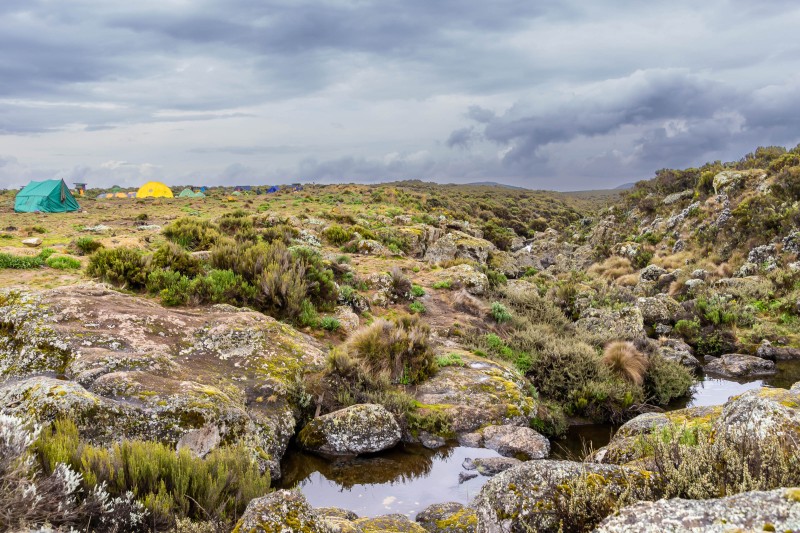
[673, 261]
[625, 360]
[628, 280]
[612, 268]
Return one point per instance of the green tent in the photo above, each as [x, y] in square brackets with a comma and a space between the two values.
[186, 193]
[50, 196]
[199, 194]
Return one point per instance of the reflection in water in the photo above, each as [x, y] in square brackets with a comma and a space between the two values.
[404, 480]
[580, 440]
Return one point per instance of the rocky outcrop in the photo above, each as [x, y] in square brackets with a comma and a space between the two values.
[281, 511]
[354, 430]
[514, 441]
[474, 281]
[479, 393]
[611, 324]
[738, 365]
[133, 369]
[519, 498]
[459, 245]
[776, 510]
[776, 353]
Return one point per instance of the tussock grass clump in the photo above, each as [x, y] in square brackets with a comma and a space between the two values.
[400, 286]
[467, 303]
[612, 268]
[395, 351]
[625, 360]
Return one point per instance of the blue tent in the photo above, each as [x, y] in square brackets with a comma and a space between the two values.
[272, 189]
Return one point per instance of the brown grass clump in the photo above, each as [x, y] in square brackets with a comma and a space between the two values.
[628, 280]
[624, 359]
[673, 261]
[612, 268]
[465, 302]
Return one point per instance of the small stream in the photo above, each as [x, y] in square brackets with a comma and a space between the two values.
[409, 478]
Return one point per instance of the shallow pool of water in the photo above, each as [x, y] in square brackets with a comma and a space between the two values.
[404, 480]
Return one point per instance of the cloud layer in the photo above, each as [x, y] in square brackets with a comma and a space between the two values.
[548, 94]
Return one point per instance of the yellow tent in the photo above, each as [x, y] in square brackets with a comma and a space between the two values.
[154, 189]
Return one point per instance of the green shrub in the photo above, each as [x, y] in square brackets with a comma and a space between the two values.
[173, 257]
[223, 286]
[444, 284]
[417, 308]
[308, 316]
[417, 291]
[63, 263]
[500, 313]
[337, 235]
[666, 380]
[192, 234]
[330, 323]
[451, 359]
[86, 245]
[170, 484]
[25, 261]
[124, 267]
[688, 329]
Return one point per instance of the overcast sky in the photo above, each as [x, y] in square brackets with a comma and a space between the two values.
[547, 94]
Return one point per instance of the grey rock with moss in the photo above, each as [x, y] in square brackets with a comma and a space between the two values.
[474, 281]
[678, 351]
[450, 517]
[354, 430]
[282, 511]
[395, 523]
[459, 245]
[606, 324]
[515, 441]
[512, 500]
[490, 466]
[740, 365]
[760, 413]
[775, 510]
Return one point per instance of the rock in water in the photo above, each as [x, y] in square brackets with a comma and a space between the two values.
[776, 510]
[513, 441]
[281, 511]
[354, 430]
[739, 365]
[448, 517]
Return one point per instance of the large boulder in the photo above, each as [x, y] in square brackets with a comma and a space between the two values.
[519, 499]
[761, 413]
[775, 510]
[395, 523]
[473, 280]
[606, 324]
[477, 393]
[459, 245]
[515, 441]
[354, 430]
[736, 365]
[283, 511]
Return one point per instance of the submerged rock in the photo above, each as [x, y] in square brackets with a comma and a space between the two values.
[740, 365]
[354, 430]
[490, 466]
[775, 510]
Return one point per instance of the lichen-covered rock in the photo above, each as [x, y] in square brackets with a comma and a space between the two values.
[511, 500]
[677, 197]
[347, 318]
[458, 245]
[480, 393]
[775, 510]
[474, 281]
[515, 441]
[678, 351]
[623, 446]
[490, 466]
[659, 309]
[339, 520]
[652, 273]
[354, 430]
[283, 511]
[395, 523]
[608, 324]
[448, 517]
[740, 365]
[776, 353]
[759, 413]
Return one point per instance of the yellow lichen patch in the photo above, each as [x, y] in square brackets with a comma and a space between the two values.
[793, 494]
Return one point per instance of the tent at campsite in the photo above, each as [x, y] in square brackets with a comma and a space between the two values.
[273, 189]
[154, 189]
[50, 196]
[186, 193]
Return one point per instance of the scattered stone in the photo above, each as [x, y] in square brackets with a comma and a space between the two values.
[354, 430]
[471, 440]
[740, 365]
[33, 242]
[466, 476]
[347, 318]
[431, 441]
[678, 351]
[513, 441]
[677, 197]
[776, 510]
[100, 228]
[200, 441]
